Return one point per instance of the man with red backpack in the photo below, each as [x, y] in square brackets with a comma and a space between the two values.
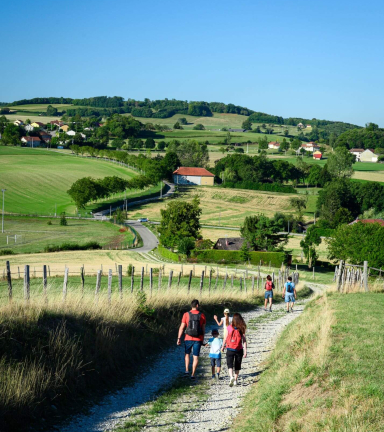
[268, 295]
[193, 322]
[236, 345]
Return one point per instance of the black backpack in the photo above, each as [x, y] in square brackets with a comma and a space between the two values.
[193, 328]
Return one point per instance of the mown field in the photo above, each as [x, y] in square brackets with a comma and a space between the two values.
[326, 373]
[36, 180]
[227, 207]
[34, 234]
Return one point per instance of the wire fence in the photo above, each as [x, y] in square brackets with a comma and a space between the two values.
[25, 282]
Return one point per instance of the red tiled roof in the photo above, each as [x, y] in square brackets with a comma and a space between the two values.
[368, 221]
[317, 155]
[193, 172]
[356, 150]
[274, 143]
[28, 138]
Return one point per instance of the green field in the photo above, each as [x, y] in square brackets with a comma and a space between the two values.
[38, 107]
[36, 180]
[35, 233]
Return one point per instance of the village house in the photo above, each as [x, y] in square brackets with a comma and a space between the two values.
[301, 126]
[64, 128]
[368, 156]
[229, 243]
[193, 176]
[317, 155]
[31, 141]
[311, 146]
[18, 122]
[368, 221]
[37, 124]
[45, 136]
[28, 127]
[73, 133]
[274, 145]
[56, 123]
[356, 152]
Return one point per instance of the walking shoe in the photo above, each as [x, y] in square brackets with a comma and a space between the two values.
[193, 378]
[270, 310]
[287, 311]
[186, 374]
[217, 377]
[292, 310]
[265, 309]
[235, 383]
[231, 382]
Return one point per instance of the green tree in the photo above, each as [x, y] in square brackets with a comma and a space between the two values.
[245, 253]
[284, 145]
[199, 126]
[311, 240]
[51, 111]
[183, 121]
[247, 124]
[83, 191]
[150, 143]
[299, 204]
[120, 216]
[262, 233]
[263, 143]
[161, 145]
[340, 163]
[63, 220]
[228, 139]
[193, 154]
[118, 143]
[11, 135]
[180, 219]
[286, 132]
[186, 245]
[177, 126]
[3, 123]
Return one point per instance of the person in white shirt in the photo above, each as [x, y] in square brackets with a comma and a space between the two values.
[225, 321]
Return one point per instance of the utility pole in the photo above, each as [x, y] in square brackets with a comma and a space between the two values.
[2, 220]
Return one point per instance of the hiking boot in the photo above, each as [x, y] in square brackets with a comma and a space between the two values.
[231, 382]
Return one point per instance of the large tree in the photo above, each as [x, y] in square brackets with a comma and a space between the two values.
[192, 154]
[309, 243]
[340, 163]
[11, 135]
[180, 219]
[262, 233]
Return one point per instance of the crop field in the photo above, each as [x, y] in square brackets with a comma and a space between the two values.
[377, 176]
[33, 117]
[36, 180]
[226, 207]
[38, 107]
[34, 234]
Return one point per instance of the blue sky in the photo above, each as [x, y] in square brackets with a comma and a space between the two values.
[305, 59]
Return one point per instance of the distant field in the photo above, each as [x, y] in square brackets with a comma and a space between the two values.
[37, 234]
[38, 179]
[33, 117]
[39, 107]
[227, 207]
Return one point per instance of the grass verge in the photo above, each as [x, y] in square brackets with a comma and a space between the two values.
[326, 373]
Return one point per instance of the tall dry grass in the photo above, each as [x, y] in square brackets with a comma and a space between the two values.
[53, 349]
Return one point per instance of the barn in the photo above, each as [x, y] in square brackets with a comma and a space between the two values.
[193, 176]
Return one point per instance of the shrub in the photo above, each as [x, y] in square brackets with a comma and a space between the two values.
[49, 223]
[234, 257]
[6, 252]
[92, 245]
[166, 253]
[269, 187]
[63, 220]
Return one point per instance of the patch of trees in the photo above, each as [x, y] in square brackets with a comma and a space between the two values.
[342, 200]
[259, 117]
[42, 100]
[100, 101]
[239, 168]
[11, 134]
[370, 137]
[358, 243]
[190, 153]
[200, 109]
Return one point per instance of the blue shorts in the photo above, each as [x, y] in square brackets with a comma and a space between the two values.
[289, 298]
[216, 362]
[268, 294]
[193, 346]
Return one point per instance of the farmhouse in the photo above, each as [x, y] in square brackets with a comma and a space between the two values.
[31, 141]
[37, 124]
[18, 122]
[368, 156]
[230, 244]
[311, 146]
[45, 136]
[56, 123]
[64, 128]
[317, 155]
[274, 145]
[193, 176]
[356, 152]
[301, 126]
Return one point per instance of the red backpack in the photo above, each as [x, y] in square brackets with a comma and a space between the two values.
[234, 339]
[269, 285]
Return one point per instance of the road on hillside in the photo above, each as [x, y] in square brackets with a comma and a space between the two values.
[150, 241]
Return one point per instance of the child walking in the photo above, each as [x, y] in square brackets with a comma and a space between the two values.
[225, 322]
[215, 354]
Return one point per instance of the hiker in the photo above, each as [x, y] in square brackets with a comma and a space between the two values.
[193, 322]
[289, 293]
[225, 321]
[215, 354]
[268, 295]
[236, 345]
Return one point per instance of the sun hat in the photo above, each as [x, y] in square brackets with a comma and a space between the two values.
[226, 311]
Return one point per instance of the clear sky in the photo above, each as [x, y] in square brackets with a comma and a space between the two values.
[320, 59]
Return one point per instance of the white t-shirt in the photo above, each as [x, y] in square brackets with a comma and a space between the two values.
[223, 319]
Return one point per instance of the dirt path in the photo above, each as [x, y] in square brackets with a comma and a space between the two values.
[223, 403]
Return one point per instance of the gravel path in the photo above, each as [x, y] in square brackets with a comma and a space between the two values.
[223, 402]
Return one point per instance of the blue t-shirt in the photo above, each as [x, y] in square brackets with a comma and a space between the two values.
[215, 344]
[287, 292]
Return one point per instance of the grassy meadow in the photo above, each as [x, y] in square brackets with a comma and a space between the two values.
[37, 233]
[36, 180]
[326, 373]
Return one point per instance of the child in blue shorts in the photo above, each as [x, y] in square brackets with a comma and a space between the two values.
[215, 354]
[289, 294]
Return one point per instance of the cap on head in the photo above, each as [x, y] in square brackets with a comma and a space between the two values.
[226, 311]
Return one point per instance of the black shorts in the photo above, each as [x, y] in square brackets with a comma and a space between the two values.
[234, 357]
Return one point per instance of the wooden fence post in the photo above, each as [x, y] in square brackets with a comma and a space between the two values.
[201, 282]
[9, 280]
[132, 278]
[232, 282]
[49, 271]
[253, 284]
[313, 273]
[189, 281]
[98, 284]
[82, 280]
[210, 282]
[18, 270]
[142, 279]
[170, 279]
[366, 276]
[178, 279]
[45, 283]
[26, 283]
[245, 284]
[241, 283]
[217, 280]
[65, 283]
[225, 281]
[194, 272]
[150, 280]
[340, 274]
[109, 286]
[159, 281]
[120, 273]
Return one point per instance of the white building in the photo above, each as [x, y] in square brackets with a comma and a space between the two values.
[193, 176]
[368, 156]
[274, 145]
[357, 153]
[311, 146]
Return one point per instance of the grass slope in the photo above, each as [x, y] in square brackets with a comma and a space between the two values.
[38, 179]
[326, 373]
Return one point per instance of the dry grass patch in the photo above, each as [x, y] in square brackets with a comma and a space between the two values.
[377, 176]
